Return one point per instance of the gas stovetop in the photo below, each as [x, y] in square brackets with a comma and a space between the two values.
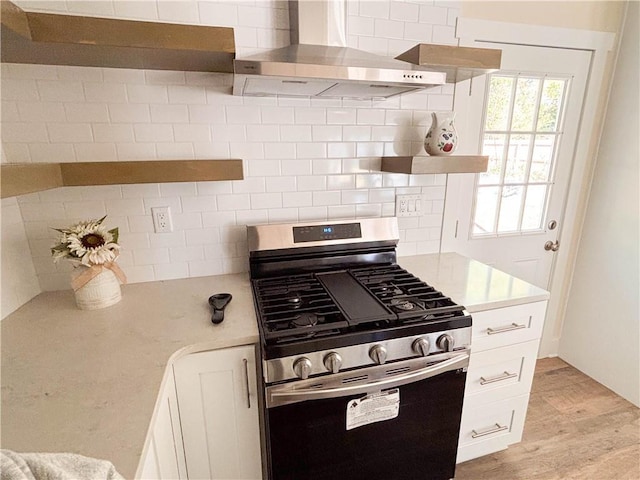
[327, 309]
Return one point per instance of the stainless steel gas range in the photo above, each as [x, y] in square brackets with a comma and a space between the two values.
[363, 364]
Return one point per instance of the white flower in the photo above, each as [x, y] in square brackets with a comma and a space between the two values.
[87, 242]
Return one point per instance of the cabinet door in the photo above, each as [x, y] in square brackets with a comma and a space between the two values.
[217, 399]
[164, 457]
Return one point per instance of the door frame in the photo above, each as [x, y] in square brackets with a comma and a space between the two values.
[468, 31]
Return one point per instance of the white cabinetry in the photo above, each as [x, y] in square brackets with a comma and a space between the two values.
[217, 397]
[504, 350]
[164, 455]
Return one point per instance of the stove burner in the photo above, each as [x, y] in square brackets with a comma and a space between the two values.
[406, 305]
[304, 320]
[387, 289]
[294, 300]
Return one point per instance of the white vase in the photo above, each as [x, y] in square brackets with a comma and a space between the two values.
[442, 138]
[101, 291]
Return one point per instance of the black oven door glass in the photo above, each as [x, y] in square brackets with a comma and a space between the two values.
[309, 440]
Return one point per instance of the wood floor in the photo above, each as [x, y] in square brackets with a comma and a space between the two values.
[576, 429]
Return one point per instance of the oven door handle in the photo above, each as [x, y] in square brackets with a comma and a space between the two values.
[284, 397]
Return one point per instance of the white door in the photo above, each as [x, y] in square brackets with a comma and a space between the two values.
[526, 119]
[218, 404]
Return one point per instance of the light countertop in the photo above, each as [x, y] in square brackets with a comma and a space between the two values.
[86, 381]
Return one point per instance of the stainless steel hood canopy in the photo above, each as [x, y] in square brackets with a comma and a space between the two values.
[317, 64]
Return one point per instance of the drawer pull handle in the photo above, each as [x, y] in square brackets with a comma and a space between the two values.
[496, 429]
[498, 378]
[246, 380]
[508, 328]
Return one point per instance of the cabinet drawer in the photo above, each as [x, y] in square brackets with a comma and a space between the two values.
[490, 428]
[506, 326]
[500, 373]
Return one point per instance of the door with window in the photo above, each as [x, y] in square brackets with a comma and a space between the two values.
[526, 119]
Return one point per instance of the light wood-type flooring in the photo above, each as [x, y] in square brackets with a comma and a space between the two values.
[576, 429]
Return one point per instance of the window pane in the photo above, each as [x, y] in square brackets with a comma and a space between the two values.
[510, 208]
[485, 215]
[516, 169]
[525, 104]
[493, 146]
[552, 96]
[542, 158]
[498, 103]
[534, 207]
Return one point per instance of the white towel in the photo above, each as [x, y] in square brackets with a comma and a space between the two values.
[54, 466]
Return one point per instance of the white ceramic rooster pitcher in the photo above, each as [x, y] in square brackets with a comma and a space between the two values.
[442, 138]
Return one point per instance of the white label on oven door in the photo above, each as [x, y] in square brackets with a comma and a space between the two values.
[373, 408]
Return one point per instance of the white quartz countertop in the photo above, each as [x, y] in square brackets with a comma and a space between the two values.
[87, 381]
[473, 284]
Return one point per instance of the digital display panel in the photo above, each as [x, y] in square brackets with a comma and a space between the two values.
[317, 233]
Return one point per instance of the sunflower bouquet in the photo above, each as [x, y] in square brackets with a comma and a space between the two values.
[88, 243]
[93, 249]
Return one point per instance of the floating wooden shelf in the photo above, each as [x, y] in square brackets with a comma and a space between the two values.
[19, 179]
[55, 39]
[433, 164]
[459, 63]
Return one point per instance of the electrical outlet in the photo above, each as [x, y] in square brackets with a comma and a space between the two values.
[162, 219]
[409, 205]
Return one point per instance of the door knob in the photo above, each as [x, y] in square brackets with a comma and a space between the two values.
[553, 246]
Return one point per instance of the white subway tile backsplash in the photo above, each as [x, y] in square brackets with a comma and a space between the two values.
[193, 94]
[297, 199]
[341, 116]
[234, 202]
[310, 115]
[340, 150]
[85, 112]
[326, 133]
[198, 204]
[374, 8]
[51, 153]
[203, 236]
[107, 93]
[39, 111]
[147, 93]
[191, 133]
[277, 115]
[311, 150]
[175, 151]
[355, 196]
[57, 91]
[95, 152]
[129, 113]
[303, 159]
[70, 132]
[169, 113]
[296, 133]
[265, 200]
[136, 151]
[217, 219]
[153, 132]
[24, 132]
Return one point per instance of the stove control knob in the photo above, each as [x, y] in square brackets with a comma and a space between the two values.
[302, 367]
[378, 354]
[445, 342]
[421, 346]
[333, 362]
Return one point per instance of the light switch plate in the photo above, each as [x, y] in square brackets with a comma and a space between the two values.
[409, 205]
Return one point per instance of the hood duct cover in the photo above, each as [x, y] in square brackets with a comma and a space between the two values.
[322, 70]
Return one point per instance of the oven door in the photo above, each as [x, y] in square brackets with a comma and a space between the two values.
[403, 422]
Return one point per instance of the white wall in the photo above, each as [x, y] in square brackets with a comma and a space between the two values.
[18, 280]
[303, 160]
[601, 334]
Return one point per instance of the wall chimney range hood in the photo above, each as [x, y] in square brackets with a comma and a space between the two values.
[317, 63]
